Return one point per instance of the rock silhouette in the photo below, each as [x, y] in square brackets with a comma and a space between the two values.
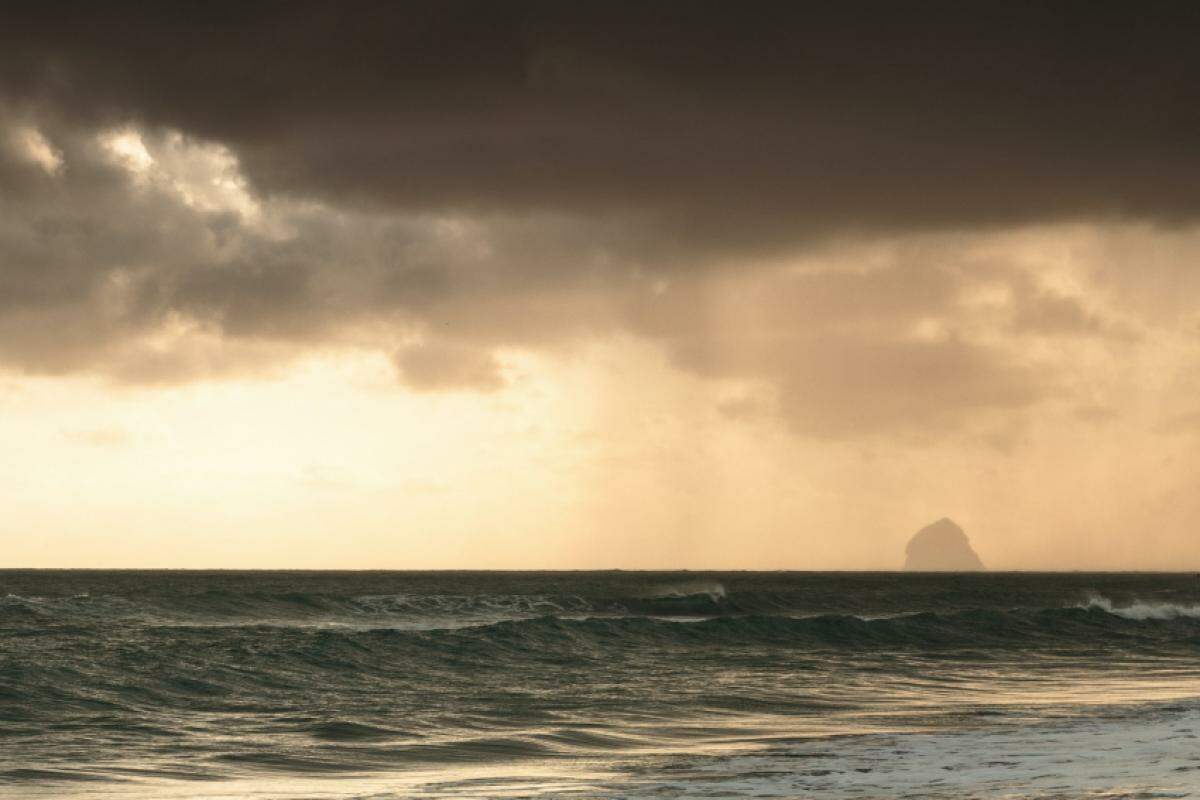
[941, 547]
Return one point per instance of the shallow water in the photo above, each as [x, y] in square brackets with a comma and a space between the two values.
[615, 684]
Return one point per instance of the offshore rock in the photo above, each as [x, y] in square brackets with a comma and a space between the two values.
[941, 547]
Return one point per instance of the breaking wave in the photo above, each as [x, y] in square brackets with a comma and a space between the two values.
[1142, 610]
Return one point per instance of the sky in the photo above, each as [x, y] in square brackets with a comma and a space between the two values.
[598, 285]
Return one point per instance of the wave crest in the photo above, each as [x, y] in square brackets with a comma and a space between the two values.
[713, 590]
[1142, 610]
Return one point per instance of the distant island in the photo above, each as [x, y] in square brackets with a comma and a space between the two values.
[941, 547]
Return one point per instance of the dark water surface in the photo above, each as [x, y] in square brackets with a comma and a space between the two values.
[597, 684]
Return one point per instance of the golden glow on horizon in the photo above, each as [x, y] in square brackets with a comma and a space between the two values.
[608, 459]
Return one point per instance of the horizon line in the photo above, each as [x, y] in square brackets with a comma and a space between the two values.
[568, 570]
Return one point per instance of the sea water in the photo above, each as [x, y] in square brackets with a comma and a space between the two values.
[597, 684]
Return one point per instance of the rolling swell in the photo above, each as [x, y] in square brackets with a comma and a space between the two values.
[515, 672]
[713, 612]
[207, 675]
[1054, 628]
[663, 622]
[219, 606]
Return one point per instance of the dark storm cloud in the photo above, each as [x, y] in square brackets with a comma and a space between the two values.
[735, 125]
[101, 260]
[458, 178]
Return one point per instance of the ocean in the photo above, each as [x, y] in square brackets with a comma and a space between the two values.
[165, 684]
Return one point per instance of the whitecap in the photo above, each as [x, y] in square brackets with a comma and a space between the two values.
[1142, 610]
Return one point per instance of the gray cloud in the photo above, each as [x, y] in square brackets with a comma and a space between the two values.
[477, 177]
[442, 366]
[127, 274]
[734, 129]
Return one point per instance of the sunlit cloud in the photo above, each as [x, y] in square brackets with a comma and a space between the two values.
[32, 145]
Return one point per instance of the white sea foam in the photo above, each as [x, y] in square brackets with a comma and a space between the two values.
[1141, 610]
[697, 588]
